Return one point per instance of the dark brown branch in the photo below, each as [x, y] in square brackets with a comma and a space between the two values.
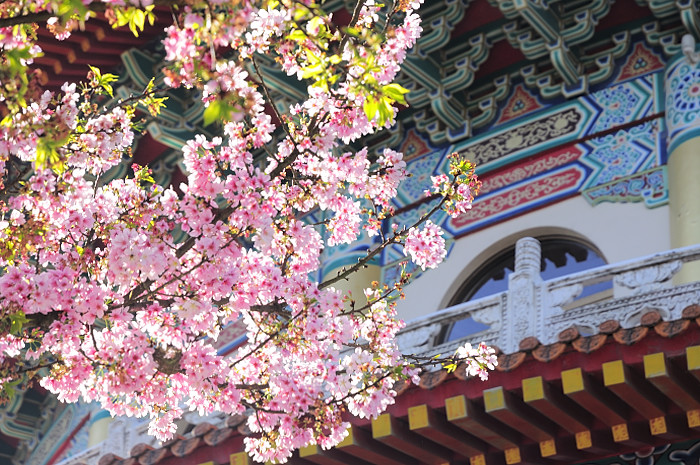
[29, 18]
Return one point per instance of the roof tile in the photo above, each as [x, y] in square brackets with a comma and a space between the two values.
[431, 379]
[650, 318]
[609, 326]
[402, 386]
[234, 420]
[128, 461]
[511, 361]
[139, 449]
[691, 311]
[217, 436]
[243, 429]
[185, 447]
[671, 328]
[630, 336]
[589, 344]
[529, 343]
[206, 434]
[569, 335]
[108, 459]
[549, 352]
[202, 429]
[154, 456]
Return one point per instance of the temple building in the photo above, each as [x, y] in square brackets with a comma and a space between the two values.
[578, 260]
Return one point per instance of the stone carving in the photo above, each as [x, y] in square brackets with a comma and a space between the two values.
[628, 310]
[559, 296]
[528, 256]
[57, 431]
[524, 295]
[688, 48]
[650, 278]
[413, 341]
[533, 308]
[488, 316]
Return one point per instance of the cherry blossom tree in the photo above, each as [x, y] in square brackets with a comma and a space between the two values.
[112, 290]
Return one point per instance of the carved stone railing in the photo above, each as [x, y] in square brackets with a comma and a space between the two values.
[542, 309]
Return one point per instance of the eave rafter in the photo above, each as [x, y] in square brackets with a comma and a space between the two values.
[624, 399]
[547, 29]
[687, 9]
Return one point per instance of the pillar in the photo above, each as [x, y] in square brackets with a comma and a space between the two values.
[523, 316]
[99, 427]
[682, 86]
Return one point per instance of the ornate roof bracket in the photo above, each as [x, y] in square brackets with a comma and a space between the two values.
[488, 109]
[540, 17]
[687, 9]
[444, 107]
[551, 33]
[667, 39]
[437, 36]
[566, 64]
[689, 16]
[423, 71]
[596, 68]
[461, 78]
[467, 63]
[660, 8]
[417, 97]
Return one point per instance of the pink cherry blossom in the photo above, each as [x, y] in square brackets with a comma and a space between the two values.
[121, 286]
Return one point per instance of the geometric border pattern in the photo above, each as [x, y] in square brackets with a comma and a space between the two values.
[550, 154]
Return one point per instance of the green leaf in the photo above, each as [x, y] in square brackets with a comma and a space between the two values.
[134, 17]
[139, 20]
[47, 155]
[8, 388]
[104, 80]
[353, 31]
[396, 92]
[296, 35]
[385, 110]
[217, 111]
[370, 107]
[311, 71]
[17, 321]
[312, 57]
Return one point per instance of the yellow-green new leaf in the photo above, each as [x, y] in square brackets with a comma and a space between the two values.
[370, 107]
[213, 112]
[396, 92]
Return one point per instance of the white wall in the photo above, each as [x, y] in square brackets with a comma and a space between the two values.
[620, 231]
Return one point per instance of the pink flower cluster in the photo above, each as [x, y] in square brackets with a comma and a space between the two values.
[426, 246]
[121, 285]
[478, 360]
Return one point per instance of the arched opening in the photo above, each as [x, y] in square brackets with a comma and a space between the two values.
[561, 256]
